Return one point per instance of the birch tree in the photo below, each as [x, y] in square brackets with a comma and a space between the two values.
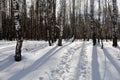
[99, 24]
[73, 20]
[18, 30]
[114, 21]
[61, 20]
[92, 21]
[51, 20]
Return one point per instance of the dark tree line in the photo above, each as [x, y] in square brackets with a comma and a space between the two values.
[59, 19]
[44, 20]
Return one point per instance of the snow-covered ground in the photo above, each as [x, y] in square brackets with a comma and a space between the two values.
[72, 61]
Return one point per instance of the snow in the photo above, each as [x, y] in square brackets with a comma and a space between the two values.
[78, 60]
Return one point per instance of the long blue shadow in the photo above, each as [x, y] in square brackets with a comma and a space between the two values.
[95, 65]
[37, 63]
[111, 59]
[118, 47]
[6, 63]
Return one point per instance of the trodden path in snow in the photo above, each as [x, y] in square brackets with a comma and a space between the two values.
[83, 66]
[73, 64]
[65, 68]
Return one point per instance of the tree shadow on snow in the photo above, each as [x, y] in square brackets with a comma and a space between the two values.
[111, 59]
[38, 63]
[118, 47]
[95, 65]
[6, 63]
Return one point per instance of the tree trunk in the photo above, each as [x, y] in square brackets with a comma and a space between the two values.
[92, 20]
[114, 20]
[73, 21]
[18, 30]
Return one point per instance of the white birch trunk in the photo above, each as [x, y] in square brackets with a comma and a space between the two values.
[18, 30]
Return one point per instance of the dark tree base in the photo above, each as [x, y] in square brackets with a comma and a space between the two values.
[114, 42]
[59, 44]
[18, 57]
[60, 41]
[94, 41]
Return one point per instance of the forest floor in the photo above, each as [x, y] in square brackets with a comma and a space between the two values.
[78, 60]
